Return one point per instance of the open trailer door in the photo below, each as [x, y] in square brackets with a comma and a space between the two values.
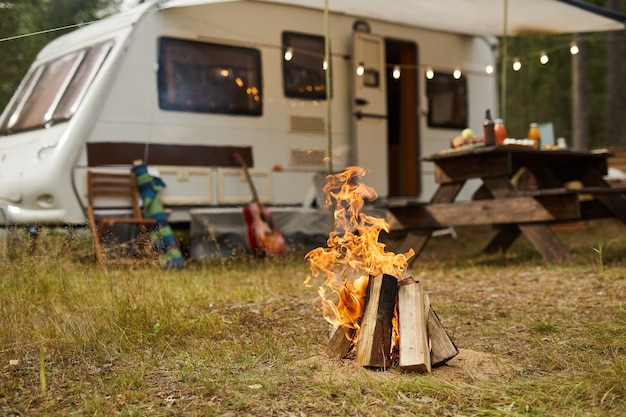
[370, 109]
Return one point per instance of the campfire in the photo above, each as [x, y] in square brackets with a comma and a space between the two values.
[381, 315]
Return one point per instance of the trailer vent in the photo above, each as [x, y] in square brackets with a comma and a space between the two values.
[307, 124]
[307, 158]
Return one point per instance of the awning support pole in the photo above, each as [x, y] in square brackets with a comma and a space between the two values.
[504, 65]
[328, 87]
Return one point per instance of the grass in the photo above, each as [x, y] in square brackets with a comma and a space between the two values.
[240, 337]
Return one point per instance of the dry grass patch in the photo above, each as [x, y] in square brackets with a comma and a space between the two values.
[240, 337]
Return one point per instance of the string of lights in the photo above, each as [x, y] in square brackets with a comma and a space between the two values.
[544, 58]
[457, 72]
[516, 63]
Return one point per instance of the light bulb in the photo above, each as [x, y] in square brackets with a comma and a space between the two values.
[573, 48]
[456, 74]
[430, 74]
[544, 58]
[360, 70]
[396, 72]
[517, 65]
[289, 54]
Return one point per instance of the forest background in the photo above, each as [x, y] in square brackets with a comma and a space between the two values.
[582, 95]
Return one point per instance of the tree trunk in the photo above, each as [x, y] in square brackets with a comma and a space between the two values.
[580, 97]
[614, 84]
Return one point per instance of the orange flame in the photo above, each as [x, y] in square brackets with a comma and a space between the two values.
[353, 252]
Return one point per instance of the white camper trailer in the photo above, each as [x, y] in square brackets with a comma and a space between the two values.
[182, 84]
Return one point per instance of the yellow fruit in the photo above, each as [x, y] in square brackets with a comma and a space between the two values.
[468, 133]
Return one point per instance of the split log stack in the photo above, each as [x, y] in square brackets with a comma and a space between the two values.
[398, 327]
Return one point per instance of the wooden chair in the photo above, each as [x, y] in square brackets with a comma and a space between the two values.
[123, 189]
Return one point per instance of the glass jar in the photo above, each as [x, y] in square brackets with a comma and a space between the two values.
[500, 132]
[535, 135]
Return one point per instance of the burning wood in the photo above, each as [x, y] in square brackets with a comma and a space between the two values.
[442, 348]
[375, 333]
[380, 314]
[413, 309]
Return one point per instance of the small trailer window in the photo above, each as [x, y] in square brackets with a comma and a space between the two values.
[303, 66]
[447, 101]
[54, 90]
[209, 78]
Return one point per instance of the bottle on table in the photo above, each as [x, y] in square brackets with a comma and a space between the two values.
[535, 135]
[488, 128]
[500, 132]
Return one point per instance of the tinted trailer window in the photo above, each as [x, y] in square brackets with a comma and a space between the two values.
[303, 66]
[447, 101]
[209, 78]
[54, 90]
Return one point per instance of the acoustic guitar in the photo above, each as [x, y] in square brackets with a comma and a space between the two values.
[264, 238]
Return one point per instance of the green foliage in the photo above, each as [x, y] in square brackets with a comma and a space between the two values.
[543, 93]
[539, 93]
[20, 18]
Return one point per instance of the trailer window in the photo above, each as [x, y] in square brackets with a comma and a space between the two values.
[447, 101]
[209, 78]
[303, 66]
[54, 90]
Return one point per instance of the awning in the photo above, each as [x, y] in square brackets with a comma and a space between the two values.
[483, 17]
[476, 17]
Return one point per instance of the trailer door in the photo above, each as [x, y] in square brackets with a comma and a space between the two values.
[403, 150]
[370, 109]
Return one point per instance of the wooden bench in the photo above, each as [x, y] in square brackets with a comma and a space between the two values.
[579, 191]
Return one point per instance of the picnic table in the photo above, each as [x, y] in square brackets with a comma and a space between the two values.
[566, 186]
